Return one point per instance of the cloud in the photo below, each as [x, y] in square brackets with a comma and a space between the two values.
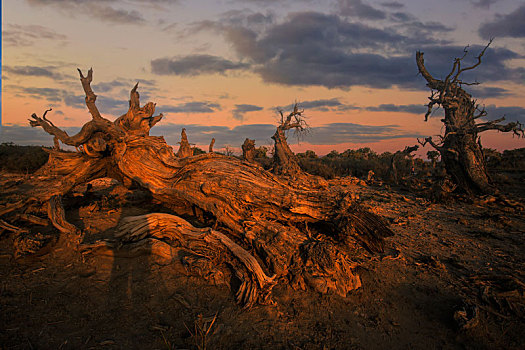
[483, 3]
[241, 109]
[75, 101]
[49, 94]
[335, 104]
[318, 49]
[494, 66]
[329, 134]
[247, 18]
[117, 16]
[191, 107]
[107, 86]
[26, 135]
[194, 65]
[393, 5]
[102, 10]
[511, 25]
[511, 113]
[412, 108]
[357, 8]
[312, 48]
[479, 91]
[319, 105]
[109, 105]
[27, 35]
[106, 105]
[336, 133]
[32, 71]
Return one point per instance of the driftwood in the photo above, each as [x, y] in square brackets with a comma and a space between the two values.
[263, 225]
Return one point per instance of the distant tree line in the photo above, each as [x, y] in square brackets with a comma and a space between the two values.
[357, 163]
[21, 159]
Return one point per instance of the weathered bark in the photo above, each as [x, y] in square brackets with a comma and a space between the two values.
[460, 147]
[57, 215]
[284, 160]
[248, 150]
[263, 225]
[185, 147]
[397, 157]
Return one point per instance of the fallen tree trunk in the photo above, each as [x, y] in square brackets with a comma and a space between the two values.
[263, 224]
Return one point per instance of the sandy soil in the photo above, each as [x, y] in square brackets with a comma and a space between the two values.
[453, 277]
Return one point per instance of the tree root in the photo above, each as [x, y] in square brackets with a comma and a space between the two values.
[8, 227]
[201, 243]
[319, 264]
[56, 213]
[26, 243]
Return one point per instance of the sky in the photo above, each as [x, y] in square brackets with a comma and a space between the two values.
[225, 68]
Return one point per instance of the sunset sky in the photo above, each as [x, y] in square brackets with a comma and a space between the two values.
[222, 68]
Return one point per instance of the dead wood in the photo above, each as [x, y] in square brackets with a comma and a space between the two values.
[399, 156]
[460, 146]
[33, 219]
[26, 243]
[57, 215]
[185, 147]
[210, 148]
[8, 227]
[284, 160]
[265, 225]
[248, 150]
[202, 244]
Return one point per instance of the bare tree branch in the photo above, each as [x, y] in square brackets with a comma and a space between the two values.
[430, 142]
[90, 95]
[515, 127]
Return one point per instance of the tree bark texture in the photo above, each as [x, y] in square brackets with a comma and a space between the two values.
[265, 229]
[248, 150]
[460, 146]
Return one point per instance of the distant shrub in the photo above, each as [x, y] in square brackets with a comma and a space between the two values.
[358, 163]
[21, 159]
[315, 167]
[197, 151]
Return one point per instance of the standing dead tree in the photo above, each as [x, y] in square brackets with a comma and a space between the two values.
[185, 147]
[248, 150]
[460, 147]
[399, 156]
[265, 231]
[284, 160]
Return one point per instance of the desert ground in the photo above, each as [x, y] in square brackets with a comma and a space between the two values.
[452, 277]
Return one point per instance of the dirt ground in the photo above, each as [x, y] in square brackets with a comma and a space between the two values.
[453, 277]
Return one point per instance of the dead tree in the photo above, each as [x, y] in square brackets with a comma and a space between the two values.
[399, 156]
[284, 160]
[433, 157]
[185, 147]
[460, 147]
[248, 150]
[265, 231]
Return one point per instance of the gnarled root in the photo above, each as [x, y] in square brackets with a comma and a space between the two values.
[205, 249]
[327, 269]
[56, 213]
